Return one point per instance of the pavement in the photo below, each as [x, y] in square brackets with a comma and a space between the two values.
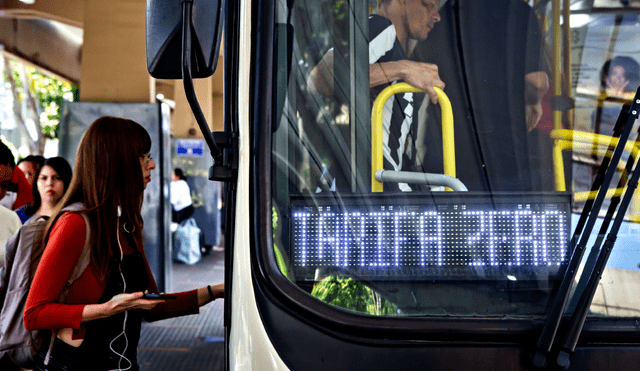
[193, 342]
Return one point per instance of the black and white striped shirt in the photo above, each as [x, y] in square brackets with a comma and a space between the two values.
[398, 142]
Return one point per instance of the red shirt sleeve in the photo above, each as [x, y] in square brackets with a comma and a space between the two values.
[25, 192]
[186, 303]
[59, 258]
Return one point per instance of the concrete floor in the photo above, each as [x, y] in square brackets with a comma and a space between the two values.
[192, 342]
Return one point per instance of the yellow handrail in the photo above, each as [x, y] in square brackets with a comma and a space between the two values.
[564, 139]
[599, 140]
[591, 143]
[448, 143]
[589, 149]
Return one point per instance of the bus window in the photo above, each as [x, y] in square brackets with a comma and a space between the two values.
[606, 76]
[412, 238]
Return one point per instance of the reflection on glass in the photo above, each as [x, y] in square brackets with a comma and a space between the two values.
[499, 249]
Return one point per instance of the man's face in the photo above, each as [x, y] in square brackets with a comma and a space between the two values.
[29, 170]
[6, 171]
[421, 16]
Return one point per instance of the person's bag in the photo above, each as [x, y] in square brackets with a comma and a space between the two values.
[18, 346]
[187, 242]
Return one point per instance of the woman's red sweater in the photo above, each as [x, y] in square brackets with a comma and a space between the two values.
[59, 258]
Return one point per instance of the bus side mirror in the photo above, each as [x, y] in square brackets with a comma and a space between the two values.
[164, 37]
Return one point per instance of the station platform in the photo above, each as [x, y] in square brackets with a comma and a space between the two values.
[190, 343]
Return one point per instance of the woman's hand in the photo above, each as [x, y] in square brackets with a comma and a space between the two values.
[118, 304]
[124, 302]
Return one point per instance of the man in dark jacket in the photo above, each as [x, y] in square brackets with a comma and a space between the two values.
[491, 55]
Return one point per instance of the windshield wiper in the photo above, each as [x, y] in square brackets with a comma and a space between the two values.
[627, 117]
[582, 308]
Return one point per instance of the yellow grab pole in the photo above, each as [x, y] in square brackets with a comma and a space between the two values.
[448, 139]
[557, 91]
[566, 38]
[557, 60]
[448, 142]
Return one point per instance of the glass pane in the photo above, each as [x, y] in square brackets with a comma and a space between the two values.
[606, 77]
[405, 207]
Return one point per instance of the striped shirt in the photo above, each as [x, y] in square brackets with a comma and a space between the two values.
[397, 133]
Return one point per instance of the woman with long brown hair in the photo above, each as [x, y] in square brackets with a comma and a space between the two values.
[97, 327]
[52, 180]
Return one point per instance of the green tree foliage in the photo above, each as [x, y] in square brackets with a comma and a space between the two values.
[42, 95]
[50, 93]
[345, 292]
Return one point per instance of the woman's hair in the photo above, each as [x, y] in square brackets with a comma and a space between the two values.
[108, 175]
[62, 167]
[179, 173]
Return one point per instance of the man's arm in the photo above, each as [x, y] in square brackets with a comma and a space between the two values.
[420, 75]
[536, 86]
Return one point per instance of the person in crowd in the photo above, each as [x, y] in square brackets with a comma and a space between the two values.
[617, 76]
[9, 220]
[391, 31]
[6, 169]
[492, 54]
[98, 326]
[9, 225]
[52, 182]
[180, 197]
[30, 166]
[16, 190]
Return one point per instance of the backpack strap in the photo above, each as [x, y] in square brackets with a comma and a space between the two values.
[81, 266]
[85, 256]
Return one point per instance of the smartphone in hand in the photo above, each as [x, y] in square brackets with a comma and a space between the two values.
[158, 296]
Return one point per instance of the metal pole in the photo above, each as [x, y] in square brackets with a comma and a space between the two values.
[557, 88]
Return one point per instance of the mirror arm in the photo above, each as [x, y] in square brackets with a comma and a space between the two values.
[187, 7]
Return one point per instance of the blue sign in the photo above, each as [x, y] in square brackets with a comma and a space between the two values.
[190, 147]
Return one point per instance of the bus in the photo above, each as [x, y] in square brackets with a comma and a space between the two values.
[485, 220]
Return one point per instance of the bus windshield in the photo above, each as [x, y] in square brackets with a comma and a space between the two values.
[432, 158]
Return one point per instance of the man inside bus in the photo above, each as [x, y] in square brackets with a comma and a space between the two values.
[491, 54]
[391, 32]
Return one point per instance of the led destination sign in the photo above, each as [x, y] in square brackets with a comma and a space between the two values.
[447, 238]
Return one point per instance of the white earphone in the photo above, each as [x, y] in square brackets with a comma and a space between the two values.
[124, 289]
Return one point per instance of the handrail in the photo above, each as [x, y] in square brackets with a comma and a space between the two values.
[591, 143]
[590, 138]
[448, 143]
[420, 178]
[590, 149]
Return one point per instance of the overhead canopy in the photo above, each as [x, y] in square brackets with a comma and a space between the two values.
[48, 44]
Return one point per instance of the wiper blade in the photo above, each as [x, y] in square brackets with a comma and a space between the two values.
[590, 212]
[615, 201]
[581, 311]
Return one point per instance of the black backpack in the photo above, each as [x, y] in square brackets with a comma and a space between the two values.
[23, 252]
